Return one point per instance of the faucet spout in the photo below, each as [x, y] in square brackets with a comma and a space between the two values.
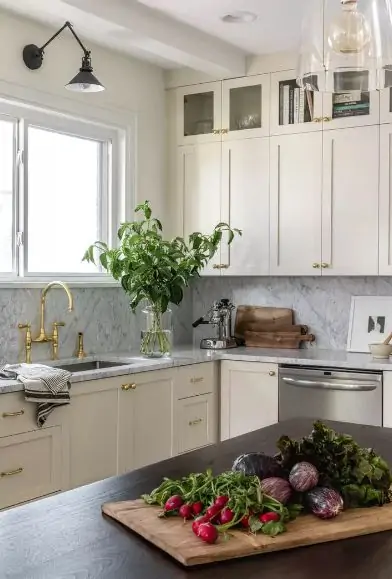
[42, 337]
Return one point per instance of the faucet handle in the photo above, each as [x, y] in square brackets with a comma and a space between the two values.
[55, 339]
[27, 327]
[58, 324]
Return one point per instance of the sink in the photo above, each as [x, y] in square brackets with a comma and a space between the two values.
[87, 366]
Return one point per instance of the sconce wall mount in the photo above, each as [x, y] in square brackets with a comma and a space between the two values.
[84, 81]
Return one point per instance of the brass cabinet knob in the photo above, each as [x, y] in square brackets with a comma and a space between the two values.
[272, 373]
[224, 131]
[127, 387]
[317, 119]
[316, 266]
[325, 265]
[327, 119]
[216, 131]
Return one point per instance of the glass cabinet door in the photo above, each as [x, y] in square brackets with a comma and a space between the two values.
[353, 105]
[199, 113]
[293, 109]
[245, 111]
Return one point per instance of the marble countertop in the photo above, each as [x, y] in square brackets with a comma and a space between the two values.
[184, 356]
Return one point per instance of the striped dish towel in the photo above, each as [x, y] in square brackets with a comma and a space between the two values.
[47, 386]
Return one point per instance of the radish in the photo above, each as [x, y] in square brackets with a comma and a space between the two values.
[197, 522]
[212, 512]
[245, 521]
[185, 512]
[207, 533]
[226, 516]
[173, 504]
[197, 508]
[268, 517]
[221, 501]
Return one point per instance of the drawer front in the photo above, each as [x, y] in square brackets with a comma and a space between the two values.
[195, 423]
[30, 466]
[18, 416]
[195, 380]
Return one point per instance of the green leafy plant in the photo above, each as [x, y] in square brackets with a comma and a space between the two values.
[152, 268]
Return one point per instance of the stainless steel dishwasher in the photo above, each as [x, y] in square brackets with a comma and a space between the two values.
[346, 396]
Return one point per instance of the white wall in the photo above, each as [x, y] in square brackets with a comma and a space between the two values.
[132, 86]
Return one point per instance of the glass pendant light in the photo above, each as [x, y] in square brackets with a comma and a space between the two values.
[346, 45]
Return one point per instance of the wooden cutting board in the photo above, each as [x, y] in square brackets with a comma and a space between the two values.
[260, 318]
[177, 539]
[289, 340]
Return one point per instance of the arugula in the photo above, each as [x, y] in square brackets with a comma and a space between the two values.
[359, 474]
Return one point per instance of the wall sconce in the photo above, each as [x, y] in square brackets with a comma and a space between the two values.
[84, 81]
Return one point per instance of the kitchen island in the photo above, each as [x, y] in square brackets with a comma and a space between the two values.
[66, 536]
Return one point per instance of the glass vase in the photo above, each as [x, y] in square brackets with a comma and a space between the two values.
[157, 331]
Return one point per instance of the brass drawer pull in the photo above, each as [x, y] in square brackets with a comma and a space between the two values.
[325, 265]
[221, 266]
[10, 414]
[316, 266]
[197, 380]
[195, 422]
[11, 472]
[127, 387]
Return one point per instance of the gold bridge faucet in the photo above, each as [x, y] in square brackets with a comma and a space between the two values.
[42, 336]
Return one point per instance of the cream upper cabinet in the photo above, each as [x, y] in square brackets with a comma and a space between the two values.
[350, 201]
[245, 205]
[386, 105]
[295, 196]
[199, 113]
[94, 430]
[145, 419]
[293, 110]
[249, 397]
[352, 109]
[385, 213]
[199, 184]
[245, 107]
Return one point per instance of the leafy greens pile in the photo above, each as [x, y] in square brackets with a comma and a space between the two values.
[361, 476]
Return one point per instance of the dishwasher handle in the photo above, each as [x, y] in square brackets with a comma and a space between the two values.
[331, 385]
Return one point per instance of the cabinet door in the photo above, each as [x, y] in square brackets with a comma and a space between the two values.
[350, 201]
[199, 180]
[199, 113]
[249, 397]
[245, 205]
[94, 430]
[293, 110]
[386, 105]
[352, 109]
[295, 195]
[385, 213]
[30, 465]
[145, 420]
[245, 107]
[195, 423]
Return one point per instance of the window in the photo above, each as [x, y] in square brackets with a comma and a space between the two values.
[58, 177]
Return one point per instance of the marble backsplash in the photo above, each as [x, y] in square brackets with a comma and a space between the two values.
[321, 303]
[102, 314]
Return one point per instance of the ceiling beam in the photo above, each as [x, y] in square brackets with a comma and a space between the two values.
[169, 38]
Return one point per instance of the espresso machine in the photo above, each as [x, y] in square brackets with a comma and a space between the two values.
[219, 315]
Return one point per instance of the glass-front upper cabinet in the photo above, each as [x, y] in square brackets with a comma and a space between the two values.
[245, 111]
[293, 109]
[199, 113]
[352, 105]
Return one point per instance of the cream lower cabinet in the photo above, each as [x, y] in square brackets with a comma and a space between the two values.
[248, 397]
[94, 430]
[387, 400]
[145, 420]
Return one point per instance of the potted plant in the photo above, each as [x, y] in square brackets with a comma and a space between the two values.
[157, 270]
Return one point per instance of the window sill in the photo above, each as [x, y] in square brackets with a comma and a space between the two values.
[39, 283]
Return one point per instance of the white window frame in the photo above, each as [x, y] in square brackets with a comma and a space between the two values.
[117, 146]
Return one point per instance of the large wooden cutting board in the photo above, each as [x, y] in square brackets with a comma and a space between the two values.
[177, 539]
[259, 319]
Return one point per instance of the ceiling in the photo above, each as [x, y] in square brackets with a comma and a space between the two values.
[176, 33]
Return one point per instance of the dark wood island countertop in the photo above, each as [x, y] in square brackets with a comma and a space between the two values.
[66, 536]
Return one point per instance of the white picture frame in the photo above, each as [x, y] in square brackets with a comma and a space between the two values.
[370, 322]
